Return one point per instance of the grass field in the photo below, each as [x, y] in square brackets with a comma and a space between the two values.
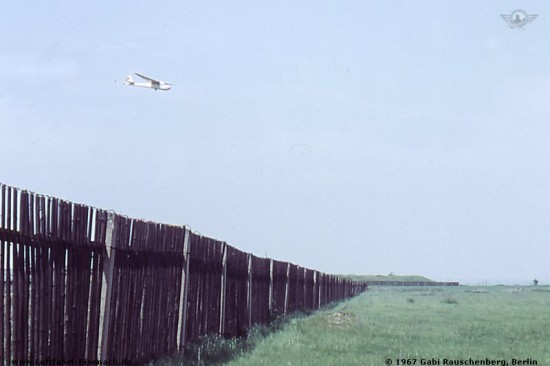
[428, 323]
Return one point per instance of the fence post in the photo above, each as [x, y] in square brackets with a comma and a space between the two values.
[249, 296]
[286, 286]
[223, 290]
[305, 305]
[184, 287]
[107, 286]
[314, 291]
[319, 288]
[270, 287]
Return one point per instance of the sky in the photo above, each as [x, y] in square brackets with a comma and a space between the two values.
[356, 137]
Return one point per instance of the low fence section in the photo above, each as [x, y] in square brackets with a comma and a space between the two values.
[411, 283]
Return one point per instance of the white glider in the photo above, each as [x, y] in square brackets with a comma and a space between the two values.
[149, 83]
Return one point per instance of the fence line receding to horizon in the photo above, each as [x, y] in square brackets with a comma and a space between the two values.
[84, 283]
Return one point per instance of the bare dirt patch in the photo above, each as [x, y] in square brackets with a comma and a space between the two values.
[341, 319]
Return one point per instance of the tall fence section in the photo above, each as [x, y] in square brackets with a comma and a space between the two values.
[83, 283]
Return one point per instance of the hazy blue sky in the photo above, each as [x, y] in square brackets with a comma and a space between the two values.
[347, 136]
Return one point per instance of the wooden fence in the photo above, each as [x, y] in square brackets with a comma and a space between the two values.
[80, 283]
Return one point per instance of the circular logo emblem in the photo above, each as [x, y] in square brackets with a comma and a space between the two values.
[518, 18]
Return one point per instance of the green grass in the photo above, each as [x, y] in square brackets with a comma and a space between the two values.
[499, 323]
[215, 350]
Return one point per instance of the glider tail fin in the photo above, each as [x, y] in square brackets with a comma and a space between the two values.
[129, 80]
